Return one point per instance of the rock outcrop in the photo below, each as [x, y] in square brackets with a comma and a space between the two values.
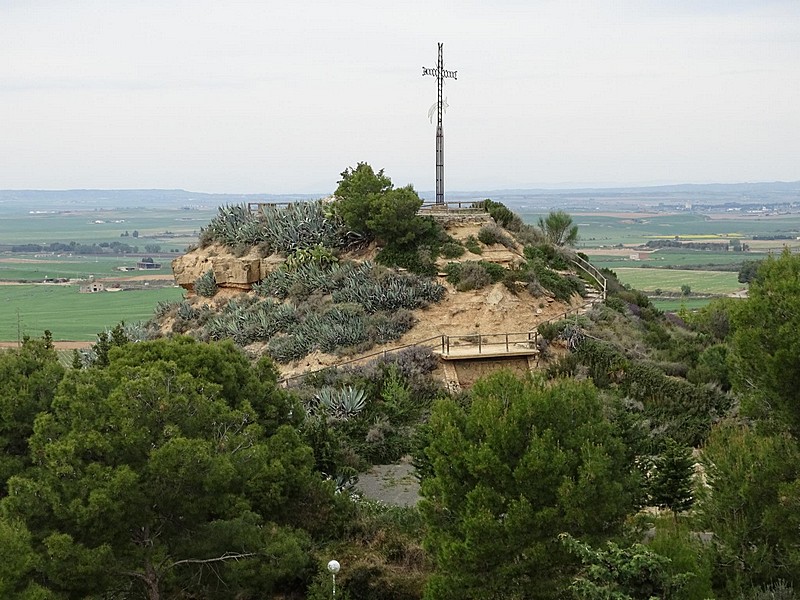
[229, 270]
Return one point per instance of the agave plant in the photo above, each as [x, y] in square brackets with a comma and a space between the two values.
[186, 312]
[163, 307]
[206, 284]
[137, 332]
[341, 405]
[342, 326]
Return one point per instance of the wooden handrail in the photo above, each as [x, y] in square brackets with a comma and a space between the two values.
[443, 340]
[420, 343]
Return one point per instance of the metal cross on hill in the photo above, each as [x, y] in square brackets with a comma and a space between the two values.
[441, 74]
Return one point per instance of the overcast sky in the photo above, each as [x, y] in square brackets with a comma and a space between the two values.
[280, 97]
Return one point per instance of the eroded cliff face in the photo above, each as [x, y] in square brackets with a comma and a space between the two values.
[230, 271]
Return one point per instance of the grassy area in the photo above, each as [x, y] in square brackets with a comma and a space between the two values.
[676, 304]
[671, 280]
[596, 231]
[168, 228]
[668, 258]
[23, 267]
[70, 315]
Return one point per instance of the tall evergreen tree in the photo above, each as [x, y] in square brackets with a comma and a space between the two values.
[524, 462]
[671, 484]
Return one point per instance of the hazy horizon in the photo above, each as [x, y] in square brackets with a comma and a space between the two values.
[249, 97]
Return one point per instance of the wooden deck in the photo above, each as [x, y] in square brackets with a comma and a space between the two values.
[493, 345]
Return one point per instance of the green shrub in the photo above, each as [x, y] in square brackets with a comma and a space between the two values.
[616, 304]
[416, 260]
[473, 275]
[452, 250]
[550, 330]
[284, 229]
[287, 348]
[206, 284]
[560, 286]
[471, 244]
[493, 234]
[341, 326]
[391, 292]
[164, 307]
[496, 272]
[386, 326]
[548, 254]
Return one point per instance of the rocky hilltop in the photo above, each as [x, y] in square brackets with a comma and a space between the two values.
[490, 307]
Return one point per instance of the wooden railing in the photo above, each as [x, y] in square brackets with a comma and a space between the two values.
[492, 342]
[593, 273]
[468, 206]
[447, 343]
[431, 342]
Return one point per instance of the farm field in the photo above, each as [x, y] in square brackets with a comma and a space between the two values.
[671, 280]
[30, 268]
[70, 315]
[668, 258]
[603, 230]
[107, 226]
[676, 304]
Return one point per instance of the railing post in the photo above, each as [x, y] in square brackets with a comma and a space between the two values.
[448, 345]
[480, 340]
[506, 342]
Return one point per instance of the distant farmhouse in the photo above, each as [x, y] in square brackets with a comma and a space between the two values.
[147, 264]
[91, 288]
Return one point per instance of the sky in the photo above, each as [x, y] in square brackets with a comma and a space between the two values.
[281, 97]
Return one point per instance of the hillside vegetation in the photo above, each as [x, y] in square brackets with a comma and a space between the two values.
[339, 277]
[650, 456]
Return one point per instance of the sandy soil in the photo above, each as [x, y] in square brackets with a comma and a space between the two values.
[490, 310]
[57, 345]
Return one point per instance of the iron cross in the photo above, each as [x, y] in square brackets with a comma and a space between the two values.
[441, 74]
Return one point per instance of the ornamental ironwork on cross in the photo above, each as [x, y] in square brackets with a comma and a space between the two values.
[441, 74]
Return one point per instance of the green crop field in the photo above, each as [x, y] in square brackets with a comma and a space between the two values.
[70, 315]
[24, 267]
[597, 231]
[669, 258]
[703, 282]
[171, 229]
[676, 304]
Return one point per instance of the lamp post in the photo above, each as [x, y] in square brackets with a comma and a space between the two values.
[333, 567]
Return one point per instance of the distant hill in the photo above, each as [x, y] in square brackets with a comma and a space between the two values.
[91, 199]
[533, 199]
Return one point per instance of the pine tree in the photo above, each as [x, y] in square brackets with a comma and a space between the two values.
[671, 484]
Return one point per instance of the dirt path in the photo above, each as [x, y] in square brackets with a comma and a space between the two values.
[395, 485]
[63, 345]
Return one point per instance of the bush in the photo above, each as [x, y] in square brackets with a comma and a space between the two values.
[547, 254]
[298, 225]
[386, 326]
[471, 244]
[452, 250]
[415, 260]
[472, 275]
[206, 284]
[495, 271]
[493, 234]
[561, 287]
[550, 330]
